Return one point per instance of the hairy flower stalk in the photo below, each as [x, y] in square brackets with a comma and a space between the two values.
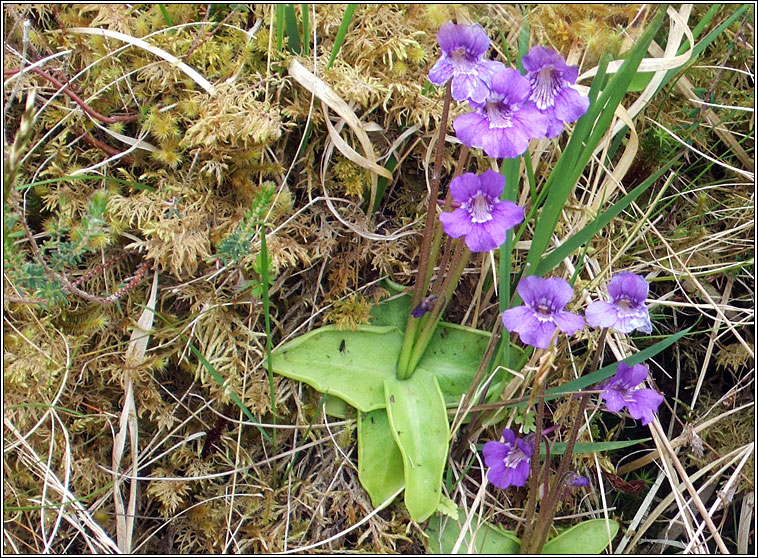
[422, 281]
[538, 530]
[531, 503]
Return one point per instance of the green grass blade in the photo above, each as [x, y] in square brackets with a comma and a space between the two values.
[583, 236]
[341, 32]
[293, 33]
[608, 371]
[279, 23]
[710, 37]
[214, 373]
[220, 379]
[559, 448]
[164, 13]
[581, 145]
[703, 23]
[523, 44]
[306, 30]
[571, 152]
[510, 170]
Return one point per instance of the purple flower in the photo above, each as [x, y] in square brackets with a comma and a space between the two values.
[620, 392]
[424, 306]
[542, 312]
[551, 92]
[505, 122]
[508, 461]
[482, 216]
[576, 480]
[463, 48]
[626, 311]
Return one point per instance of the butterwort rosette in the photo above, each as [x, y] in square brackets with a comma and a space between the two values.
[463, 62]
[622, 391]
[542, 312]
[551, 81]
[626, 310]
[504, 123]
[508, 460]
[483, 218]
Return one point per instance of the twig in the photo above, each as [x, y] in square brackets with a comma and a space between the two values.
[68, 285]
[109, 150]
[196, 42]
[78, 100]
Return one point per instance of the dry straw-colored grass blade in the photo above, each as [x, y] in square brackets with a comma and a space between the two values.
[330, 99]
[669, 460]
[159, 52]
[135, 354]
[73, 511]
[657, 64]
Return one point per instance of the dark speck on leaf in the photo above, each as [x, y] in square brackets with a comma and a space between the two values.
[342, 346]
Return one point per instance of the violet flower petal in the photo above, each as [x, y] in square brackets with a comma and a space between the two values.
[643, 404]
[628, 285]
[570, 105]
[519, 318]
[491, 183]
[441, 71]
[568, 322]
[511, 85]
[539, 336]
[601, 314]
[456, 223]
[614, 402]
[465, 186]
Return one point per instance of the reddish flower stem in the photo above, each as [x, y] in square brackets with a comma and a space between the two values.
[128, 160]
[434, 186]
[78, 100]
[534, 543]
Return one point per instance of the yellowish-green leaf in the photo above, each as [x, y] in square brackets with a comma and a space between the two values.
[588, 537]
[418, 419]
[380, 465]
